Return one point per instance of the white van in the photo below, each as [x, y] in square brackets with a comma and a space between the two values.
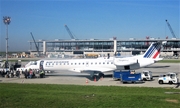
[170, 78]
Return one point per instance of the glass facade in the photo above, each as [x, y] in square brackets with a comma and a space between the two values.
[102, 45]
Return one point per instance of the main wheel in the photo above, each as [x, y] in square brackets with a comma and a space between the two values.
[170, 82]
[160, 82]
[144, 79]
[101, 75]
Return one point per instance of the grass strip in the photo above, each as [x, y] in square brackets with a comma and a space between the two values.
[169, 61]
[77, 96]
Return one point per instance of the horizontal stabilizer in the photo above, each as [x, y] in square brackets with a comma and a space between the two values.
[158, 59]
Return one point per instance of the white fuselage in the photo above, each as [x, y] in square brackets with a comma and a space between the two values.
[90, 65]
[102, 65]
[78, 65]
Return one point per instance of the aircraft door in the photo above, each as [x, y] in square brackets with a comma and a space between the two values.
[41, 65]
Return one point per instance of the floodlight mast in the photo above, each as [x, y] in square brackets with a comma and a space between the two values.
[6, 20]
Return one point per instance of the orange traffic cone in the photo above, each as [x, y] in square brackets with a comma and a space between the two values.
[94, 79]
[101, 78]
[86, 81]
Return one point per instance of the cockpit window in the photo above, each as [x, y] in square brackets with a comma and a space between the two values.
[33, 63]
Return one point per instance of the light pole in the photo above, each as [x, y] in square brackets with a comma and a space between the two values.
[6, 20]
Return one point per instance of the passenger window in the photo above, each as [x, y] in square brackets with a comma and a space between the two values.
[79, 63]
[71, 63]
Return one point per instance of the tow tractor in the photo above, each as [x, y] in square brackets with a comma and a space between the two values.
[146, 75]
[170, 78]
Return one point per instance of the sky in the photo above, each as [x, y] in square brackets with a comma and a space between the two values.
[86, 19]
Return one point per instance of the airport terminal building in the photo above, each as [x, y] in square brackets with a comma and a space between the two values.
[98, 46]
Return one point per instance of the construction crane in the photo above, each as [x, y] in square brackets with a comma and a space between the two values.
[37, 48]
[71, 35]
[170, 29]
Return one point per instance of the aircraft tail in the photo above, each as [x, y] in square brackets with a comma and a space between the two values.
[153, 51]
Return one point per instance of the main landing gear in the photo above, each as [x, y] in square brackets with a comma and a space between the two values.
[101, 75]
[98, 76]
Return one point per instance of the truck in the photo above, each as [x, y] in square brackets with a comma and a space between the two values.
[145, 75]
[117, 74]
[170, 78]
[128, 76]
[4, 69]
[131, 78]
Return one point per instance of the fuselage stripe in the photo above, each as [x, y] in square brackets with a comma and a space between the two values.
[157, 53]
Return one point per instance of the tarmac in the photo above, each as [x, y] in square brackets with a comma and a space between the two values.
[72, 78]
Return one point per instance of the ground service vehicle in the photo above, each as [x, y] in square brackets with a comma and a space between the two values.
[127, 76]
[4, 69]
[170, 78]
[117, 74]
[147, 75]
[131, 78]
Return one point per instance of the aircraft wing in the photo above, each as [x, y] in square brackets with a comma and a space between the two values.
[89, 70]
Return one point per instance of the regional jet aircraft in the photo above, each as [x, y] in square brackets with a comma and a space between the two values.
[100, 65]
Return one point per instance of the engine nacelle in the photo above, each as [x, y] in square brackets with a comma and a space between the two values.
[125, 61]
